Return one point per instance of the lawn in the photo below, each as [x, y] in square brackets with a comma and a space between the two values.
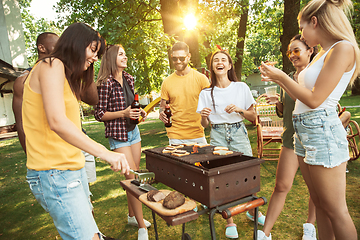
[23, 218]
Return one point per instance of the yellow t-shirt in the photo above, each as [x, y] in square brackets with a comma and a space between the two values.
[45, 150]
[183, 93]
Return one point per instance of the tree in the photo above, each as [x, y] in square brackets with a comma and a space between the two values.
[32, 28]
[136, 24]
[290, 29]
[241, 38]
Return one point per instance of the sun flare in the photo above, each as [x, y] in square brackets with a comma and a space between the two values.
[190, 21]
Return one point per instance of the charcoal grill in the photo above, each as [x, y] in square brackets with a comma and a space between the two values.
[218, 180]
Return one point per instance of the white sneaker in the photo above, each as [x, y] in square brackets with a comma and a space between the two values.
[309, 232]
[132, 221]
[261, 235]
[143, 234]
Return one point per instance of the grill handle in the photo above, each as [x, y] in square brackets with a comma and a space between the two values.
[229, 212]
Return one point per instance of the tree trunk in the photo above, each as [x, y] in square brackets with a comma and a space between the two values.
[241, 39]
[355, 90]
[290, 29]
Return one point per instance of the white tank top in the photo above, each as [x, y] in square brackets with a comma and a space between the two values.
[307, 78]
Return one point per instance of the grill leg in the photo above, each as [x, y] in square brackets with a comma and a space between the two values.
[155, 226]
[256, 222]
[211, 221]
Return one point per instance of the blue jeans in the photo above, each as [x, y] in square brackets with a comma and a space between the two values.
[320, 138]
[231, 135]
[65, 195]
[133, 137]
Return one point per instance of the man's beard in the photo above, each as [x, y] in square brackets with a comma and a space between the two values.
[181, 66]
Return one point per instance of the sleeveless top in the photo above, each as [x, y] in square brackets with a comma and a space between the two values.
[308, 76]
[45, 150]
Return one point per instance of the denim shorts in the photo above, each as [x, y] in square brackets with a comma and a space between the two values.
[320, 138]
[65, 195]
[231, 135]
[133, 137]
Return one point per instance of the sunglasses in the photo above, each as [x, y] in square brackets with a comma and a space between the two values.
[175, 59]
[296, 52]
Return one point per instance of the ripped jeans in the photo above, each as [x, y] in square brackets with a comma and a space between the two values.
[65, 195]
[320, 138]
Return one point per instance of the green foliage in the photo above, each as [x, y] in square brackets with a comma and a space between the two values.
[32, 28]
[135, 24]
[263, 36]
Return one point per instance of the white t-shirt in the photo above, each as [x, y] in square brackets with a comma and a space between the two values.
[307, 78]
[237, 93]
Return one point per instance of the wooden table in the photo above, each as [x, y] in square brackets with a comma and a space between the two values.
[192, 215]
[170, 220]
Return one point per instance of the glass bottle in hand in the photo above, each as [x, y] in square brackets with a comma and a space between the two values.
[135, 104]
[167, 111]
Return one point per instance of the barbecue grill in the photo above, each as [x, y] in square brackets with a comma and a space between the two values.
[218, 179]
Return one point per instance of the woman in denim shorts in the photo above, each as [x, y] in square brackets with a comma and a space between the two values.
[224, 105]
[54, 140]
[116, 94]
[320, 138]
[300, 54]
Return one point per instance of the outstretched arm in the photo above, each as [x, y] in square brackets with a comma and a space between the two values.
[340, 59]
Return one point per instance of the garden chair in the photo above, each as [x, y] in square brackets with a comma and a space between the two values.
[269, 128]
[352, 129]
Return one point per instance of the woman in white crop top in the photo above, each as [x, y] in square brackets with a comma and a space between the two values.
[224, 105]
[320, 139]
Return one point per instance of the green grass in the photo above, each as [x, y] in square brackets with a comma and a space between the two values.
[23, 218]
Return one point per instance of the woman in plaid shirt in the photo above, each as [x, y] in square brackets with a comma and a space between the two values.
[116, 93]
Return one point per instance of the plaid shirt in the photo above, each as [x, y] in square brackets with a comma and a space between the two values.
[112, 99]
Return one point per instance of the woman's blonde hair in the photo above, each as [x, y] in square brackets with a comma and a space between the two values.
[332, 18]
[108, 63]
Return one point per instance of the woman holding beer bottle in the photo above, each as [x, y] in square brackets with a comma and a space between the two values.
[225, 104]
[116, 95]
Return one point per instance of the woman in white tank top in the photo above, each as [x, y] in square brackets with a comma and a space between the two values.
[320, 139]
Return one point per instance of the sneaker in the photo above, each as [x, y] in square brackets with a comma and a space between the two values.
[143, 234]
[309, 232]
[261, 218]
[261, 235]
[132, 221]
[195, 209]
[231, 231]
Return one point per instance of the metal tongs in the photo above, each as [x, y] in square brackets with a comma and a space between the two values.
[143, 176]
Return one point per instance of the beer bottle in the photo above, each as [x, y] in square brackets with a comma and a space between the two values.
[167, 111]
[135, 104]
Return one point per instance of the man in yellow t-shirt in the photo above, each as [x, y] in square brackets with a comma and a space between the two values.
[182, 89]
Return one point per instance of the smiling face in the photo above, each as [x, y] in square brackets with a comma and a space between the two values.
[220, 64]
[91, 54]
[180, 59]
[121, 59]
[299, 54]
